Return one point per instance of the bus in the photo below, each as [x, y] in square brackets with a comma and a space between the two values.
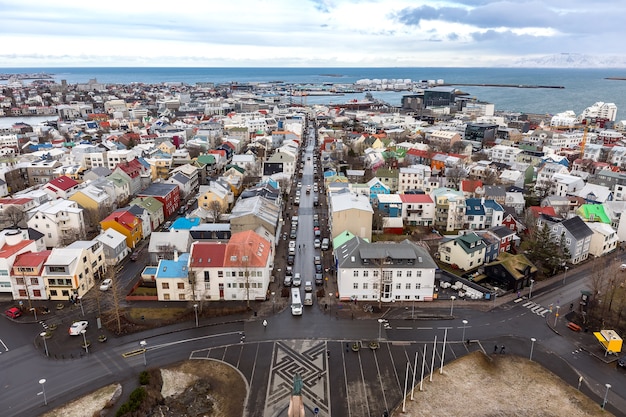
[296, 304]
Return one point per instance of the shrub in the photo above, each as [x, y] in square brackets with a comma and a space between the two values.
[144, 378]
[133, 403]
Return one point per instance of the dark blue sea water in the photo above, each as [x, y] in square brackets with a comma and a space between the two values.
[583, 87]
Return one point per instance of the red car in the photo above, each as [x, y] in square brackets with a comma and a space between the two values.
[13, 312]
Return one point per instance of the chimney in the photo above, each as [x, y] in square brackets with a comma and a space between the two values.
[175, 255]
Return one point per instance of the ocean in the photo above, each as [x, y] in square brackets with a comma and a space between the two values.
[582, 87]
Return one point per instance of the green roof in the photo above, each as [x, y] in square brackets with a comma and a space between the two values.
[593, 213]
[206, 159]
[515, 264]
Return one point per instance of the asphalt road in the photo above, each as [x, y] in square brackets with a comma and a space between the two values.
[318, 345]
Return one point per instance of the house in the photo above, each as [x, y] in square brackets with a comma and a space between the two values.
[472, 188]
[211, 232]
[13, 210]
[60, 221]
[237, 270]
[508, 239]
[604, 239]
[496, 193]
[113, 246]
[565, 184]
[12, 244]
[72, 271]
[60, 187]
[27, 276]
[413, 177]
[126, 223]
[166, 245]
[595, 194]
[389, 205]
[132, 171]
[184, 183]
[593, 213]
[450, 209]
[492, 244]
[282, 160]
[376, 188]
[418, 209]
[350, 212]
[574, 232]
[96, 202]
[474, 214]
[465, 252]
[154, 209]
[172, 279]
[511, 272]
[516, 201]
[389, 177]
[398, 271]
[511, 221]
[168, 194]
[255, 213]
[494, 213]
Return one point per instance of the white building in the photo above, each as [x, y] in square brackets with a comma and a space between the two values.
[60, 221]
[604, 239]
[389, 272]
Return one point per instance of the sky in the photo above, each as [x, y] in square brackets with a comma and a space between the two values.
[303, 33]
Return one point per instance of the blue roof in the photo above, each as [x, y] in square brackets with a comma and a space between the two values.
[474, 207]
[173, 269]
[493, 205]
[183, 223]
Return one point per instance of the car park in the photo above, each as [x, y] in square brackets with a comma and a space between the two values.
[297, 280]
[77, 327]
[13, 312]
[317, 243]
[308, 286]
[106, 284]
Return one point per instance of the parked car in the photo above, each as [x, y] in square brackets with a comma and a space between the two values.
[621, 362]
[318, 279]
[317, 243]
[318, 269]
[291, 259]
[318, 260]
[106, 284]
[308, 286]
[293, 234]
[13, 313]
[296, 201]
[288, 281]
[134, 256]
[77, 327]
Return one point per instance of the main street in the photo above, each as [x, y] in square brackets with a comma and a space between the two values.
[318, 345]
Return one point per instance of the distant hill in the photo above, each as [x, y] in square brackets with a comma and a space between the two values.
[570, 60]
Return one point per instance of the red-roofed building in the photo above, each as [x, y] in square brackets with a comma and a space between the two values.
[126, 223]
[12, 244]
[133, 170]
[238, 270]
[417, 156]
[26, 276]
[418, 209]
[61, 187]
[10, 217]
[472, 188]
[538, 211]
[513, 224]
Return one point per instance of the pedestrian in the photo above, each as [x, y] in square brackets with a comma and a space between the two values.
[265, 323]
[571, 306]
[319, 375]
[519, 294]
[495, 349]
[328, 353]
[502, 349]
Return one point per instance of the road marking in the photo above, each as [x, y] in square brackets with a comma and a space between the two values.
[423, 328]
[404, 328]
[517, 300]
[5, 346]
[530, 303]
[543, 313]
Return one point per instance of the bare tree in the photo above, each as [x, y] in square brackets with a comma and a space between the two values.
[216, 209]
[13, 216]
[490, 177]
[455, 175]
[115, 296]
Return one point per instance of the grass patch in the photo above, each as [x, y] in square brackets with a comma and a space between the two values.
[156, 313]
[145, 291]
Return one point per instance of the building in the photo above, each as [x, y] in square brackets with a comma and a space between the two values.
[574, 232]
[385, 272]
[60, 221]
[465, 252]
[168, 194]
[126, 223]
[350, 212]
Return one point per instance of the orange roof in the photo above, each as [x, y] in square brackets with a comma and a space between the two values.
[207, 254]
[32, 259]
[538, 211]
[247, 244]
[15, 201]
[7, 250]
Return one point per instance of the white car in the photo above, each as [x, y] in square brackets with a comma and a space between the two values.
[317, 243]
[106, 284]
[297, 280]
[622, 267]
[77, 327]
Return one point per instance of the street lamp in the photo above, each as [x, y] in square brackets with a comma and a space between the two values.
[452, 298]
[45, 344]
[565, 275]
[380, 327]
[556, 315]
[83, 332]
[80, 301]
[606, 393]
[34, 310]
[530, 290]
[143, 344]
[273, 302]
[464, 324]
[195, 309]
[42, 381]
[532, 345]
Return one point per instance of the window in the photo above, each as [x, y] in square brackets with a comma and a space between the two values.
[365, 274]
[409, 273]
[355, 286]
[19, 281]
[407, 286]
[166, 296]
[375, 273]
[53, 293]
[181, 296]
[365, 285]
[407, 297]
[207, 277]
[37, 293]
[375, 286]
[355, 274]
[418, 286]
[165, 286]
[181, 285]
[399, 274]
[398, 286]
[22, 293]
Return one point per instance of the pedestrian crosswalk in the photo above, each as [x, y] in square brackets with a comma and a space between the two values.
[538, 309]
